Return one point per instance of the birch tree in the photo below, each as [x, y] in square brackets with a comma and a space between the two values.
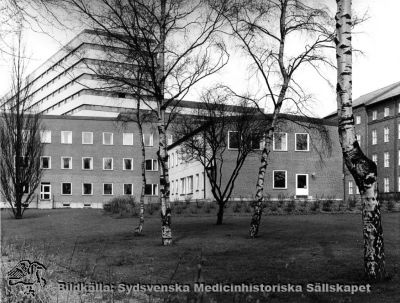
[176, 40]
[264, 30]
[363, 170]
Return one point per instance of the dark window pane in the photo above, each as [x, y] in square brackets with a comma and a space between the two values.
[279, 179]
[108, 189]
[233, 139]
[128, 164]
[149, 165]
[301, 142]
[148, 189]
[127, 189]
[66, 188]
[302, 181]
[87, 189]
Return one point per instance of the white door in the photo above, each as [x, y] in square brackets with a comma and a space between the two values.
[45, 191]
[301, 184]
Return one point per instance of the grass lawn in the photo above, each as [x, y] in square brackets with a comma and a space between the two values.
[78, 244]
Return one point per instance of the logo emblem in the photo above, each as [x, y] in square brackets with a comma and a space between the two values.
[28, 274]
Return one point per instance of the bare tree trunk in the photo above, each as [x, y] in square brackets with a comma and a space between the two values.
[363, 170]
[220, 214]
[139, 228]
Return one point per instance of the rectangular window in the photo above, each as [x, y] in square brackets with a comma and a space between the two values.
[301, 142]
[45, 191]
[386, 185]
[169, 139]
[375, 158]
[128, 189]
[358, 119]
[66, 163]
[386, 112]
[374, 137]
[66, 188]
[127, 139]
[87, 163]
[279, 141]
[197, 182]
[386, 134]
[45, 162]
[87, 189]
[127, 164]
[148, 139]
[386, 159]
[358, 138]
[151, 190]
[107, 189]
[108, 138]
[190, 184]
[183, 189]
[87, 138]
[233, 139]
[66, 137]
[279, 179]
[374, 115]
[398, 131]
[350, 187]
[151, 165]
[107, 163]
[172, 189]
[45, 136]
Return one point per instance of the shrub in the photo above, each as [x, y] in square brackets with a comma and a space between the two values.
[199, 204]
[236, 207]
[123, 205]
[315, 205]
[327, 204]
[390, 205]
[351, 203]
[207, 208]
[178, 208]
[247, 207]
[290, 206]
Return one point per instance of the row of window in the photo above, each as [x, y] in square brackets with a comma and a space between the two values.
[386, 158]
[108, 163]
[87, 189]
[386, 113]
[107, 138]
[386, 189]
[187, 185]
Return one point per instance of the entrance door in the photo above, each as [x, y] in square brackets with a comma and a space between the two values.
[301, 184]
[45, 191]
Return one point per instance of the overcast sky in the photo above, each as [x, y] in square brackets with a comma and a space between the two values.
[377, 67]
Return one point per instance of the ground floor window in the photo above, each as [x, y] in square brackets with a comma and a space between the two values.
[45, 191]
[87, 189]
[66, 188]
[386, 185]
[279, 179]
[190, 184]
[151, 165]
[107, 189]
[350, 187]
[45, 162]
[151, 189]
[128, 189]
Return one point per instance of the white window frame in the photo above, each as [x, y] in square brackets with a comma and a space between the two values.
[112, 189]
[154, 185]
[61, 189]
[386, 158]
[386, 134]
[127, 138]
[273, 179]
[169, 139]
[229, 143]
[112, 138]
[189, 185]
[69, 136]
[386, 187]
[91, 137]
[123, 189]
[358, 138]
[45, 136]
[386, 112]
[153, 167]
[91, 163]
[374, 137]
[42, 193]
[375, 158]
[374, 115]
[62, 162]
[123, 163]
[41, 163]
[197, 182]
[295, 142]
[351, 191]
[112, 163]
[273, 141]
[91, 189]
[172, 192]
[358, 119]
[177, 187]
[151, 140]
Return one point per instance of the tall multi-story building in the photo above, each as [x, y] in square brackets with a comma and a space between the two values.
[377, 126]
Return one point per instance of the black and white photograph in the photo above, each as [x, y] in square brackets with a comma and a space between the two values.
[199, 151]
